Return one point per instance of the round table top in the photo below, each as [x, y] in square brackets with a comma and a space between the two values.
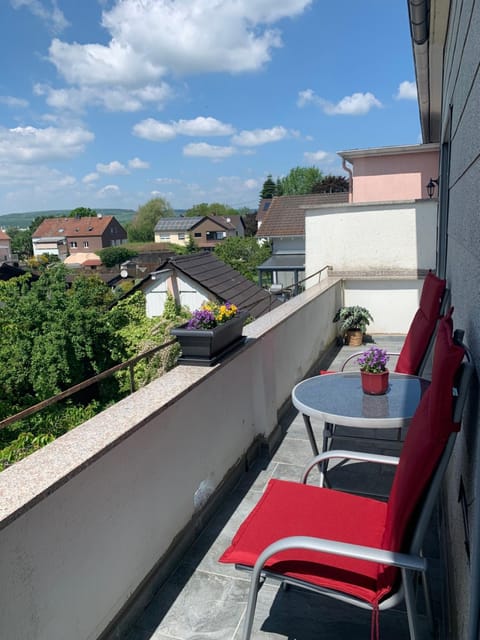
[338, 398]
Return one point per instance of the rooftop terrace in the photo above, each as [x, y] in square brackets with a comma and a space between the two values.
[203, 599]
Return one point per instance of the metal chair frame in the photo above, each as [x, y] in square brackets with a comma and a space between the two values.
[411, 563]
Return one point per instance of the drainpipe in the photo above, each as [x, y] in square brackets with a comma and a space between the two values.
[350, 180]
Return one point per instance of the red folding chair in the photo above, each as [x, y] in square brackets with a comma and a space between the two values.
[353, 548]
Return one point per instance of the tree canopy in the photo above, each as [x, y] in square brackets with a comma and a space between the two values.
[141, 229]
[82, 212]
[243, 254]
[299, 181]
[213, 209]
[331, 184]
[269, 188]
[110, 256]
[51, 335]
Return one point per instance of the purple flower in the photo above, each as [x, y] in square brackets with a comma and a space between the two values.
[374, 360]
[202, 319]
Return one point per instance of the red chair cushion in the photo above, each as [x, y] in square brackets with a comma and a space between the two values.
[426, 437]
[293, 509]
[422, 325]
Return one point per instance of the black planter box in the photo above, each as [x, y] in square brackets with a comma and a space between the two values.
[207, 346]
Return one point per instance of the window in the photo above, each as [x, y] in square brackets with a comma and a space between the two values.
[216, 235]
[197, 234]
[165, 236]
[73, 244]
[181, 236]
[85, 244]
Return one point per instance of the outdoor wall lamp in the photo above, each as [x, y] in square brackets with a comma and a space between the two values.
[431, 187]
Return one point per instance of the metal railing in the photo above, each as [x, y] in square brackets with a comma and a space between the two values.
[128, 364]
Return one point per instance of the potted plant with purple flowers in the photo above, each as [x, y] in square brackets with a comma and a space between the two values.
[373, 371]
[212, 331]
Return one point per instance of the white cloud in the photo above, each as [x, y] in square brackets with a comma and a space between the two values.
[205, 150]
[11, 101]
[257, 137]
[108, 190]
[110, 98]
[136, 163]
[113, 168]
[202, 126]
[54, 18]
[30, 144]
[90, 177]
[168, 181]
[150, 39]
[305, 97]
[235, 189]
[152, 129]
[317, 156]
[354, 105]
[407, 91]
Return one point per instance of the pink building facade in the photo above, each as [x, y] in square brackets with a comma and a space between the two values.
[391, 173]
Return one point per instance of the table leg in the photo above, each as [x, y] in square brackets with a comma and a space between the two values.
[311, 437]
[322, 467]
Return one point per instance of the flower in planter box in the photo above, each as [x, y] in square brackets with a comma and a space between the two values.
[374, 360]
[211, 314]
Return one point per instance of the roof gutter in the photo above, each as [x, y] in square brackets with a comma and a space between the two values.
[419, 11]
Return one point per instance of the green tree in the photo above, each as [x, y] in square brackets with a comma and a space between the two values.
[269, 188]
[331, 184]
[21, 242]
[52, 336]
[141, 229]
[82, 212]
[110, 256]
[213, 209]
[300, 180]
[243, 254]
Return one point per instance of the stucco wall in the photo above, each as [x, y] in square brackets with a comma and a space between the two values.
[393, 177]
[371, 237]
[462, 90]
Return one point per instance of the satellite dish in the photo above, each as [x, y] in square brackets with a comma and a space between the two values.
[124, 273]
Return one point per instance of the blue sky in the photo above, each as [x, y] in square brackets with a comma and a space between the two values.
[109, 103]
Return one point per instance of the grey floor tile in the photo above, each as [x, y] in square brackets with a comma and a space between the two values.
[293, 451]
[299, 615]
[204, 607]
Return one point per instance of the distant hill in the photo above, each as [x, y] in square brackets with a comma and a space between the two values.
[23, 220]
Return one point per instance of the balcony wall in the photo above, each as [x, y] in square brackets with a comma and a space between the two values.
[381, 249]
[85, 521]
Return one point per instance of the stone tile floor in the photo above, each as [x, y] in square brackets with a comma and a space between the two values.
[206, 600]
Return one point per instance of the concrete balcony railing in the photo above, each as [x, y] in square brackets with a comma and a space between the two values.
[86, 521]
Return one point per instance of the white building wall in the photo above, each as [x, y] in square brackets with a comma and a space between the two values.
[368, 241]
[187, 293]
[372, 237]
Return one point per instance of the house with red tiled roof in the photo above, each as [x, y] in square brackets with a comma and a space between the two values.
[283, 225]
[5, 247]
[67, 236]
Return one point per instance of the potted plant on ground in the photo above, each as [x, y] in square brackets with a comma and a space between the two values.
[373, 371]
[213, 330]
[353, 323]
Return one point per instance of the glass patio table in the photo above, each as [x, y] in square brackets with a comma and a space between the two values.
[338, 399]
